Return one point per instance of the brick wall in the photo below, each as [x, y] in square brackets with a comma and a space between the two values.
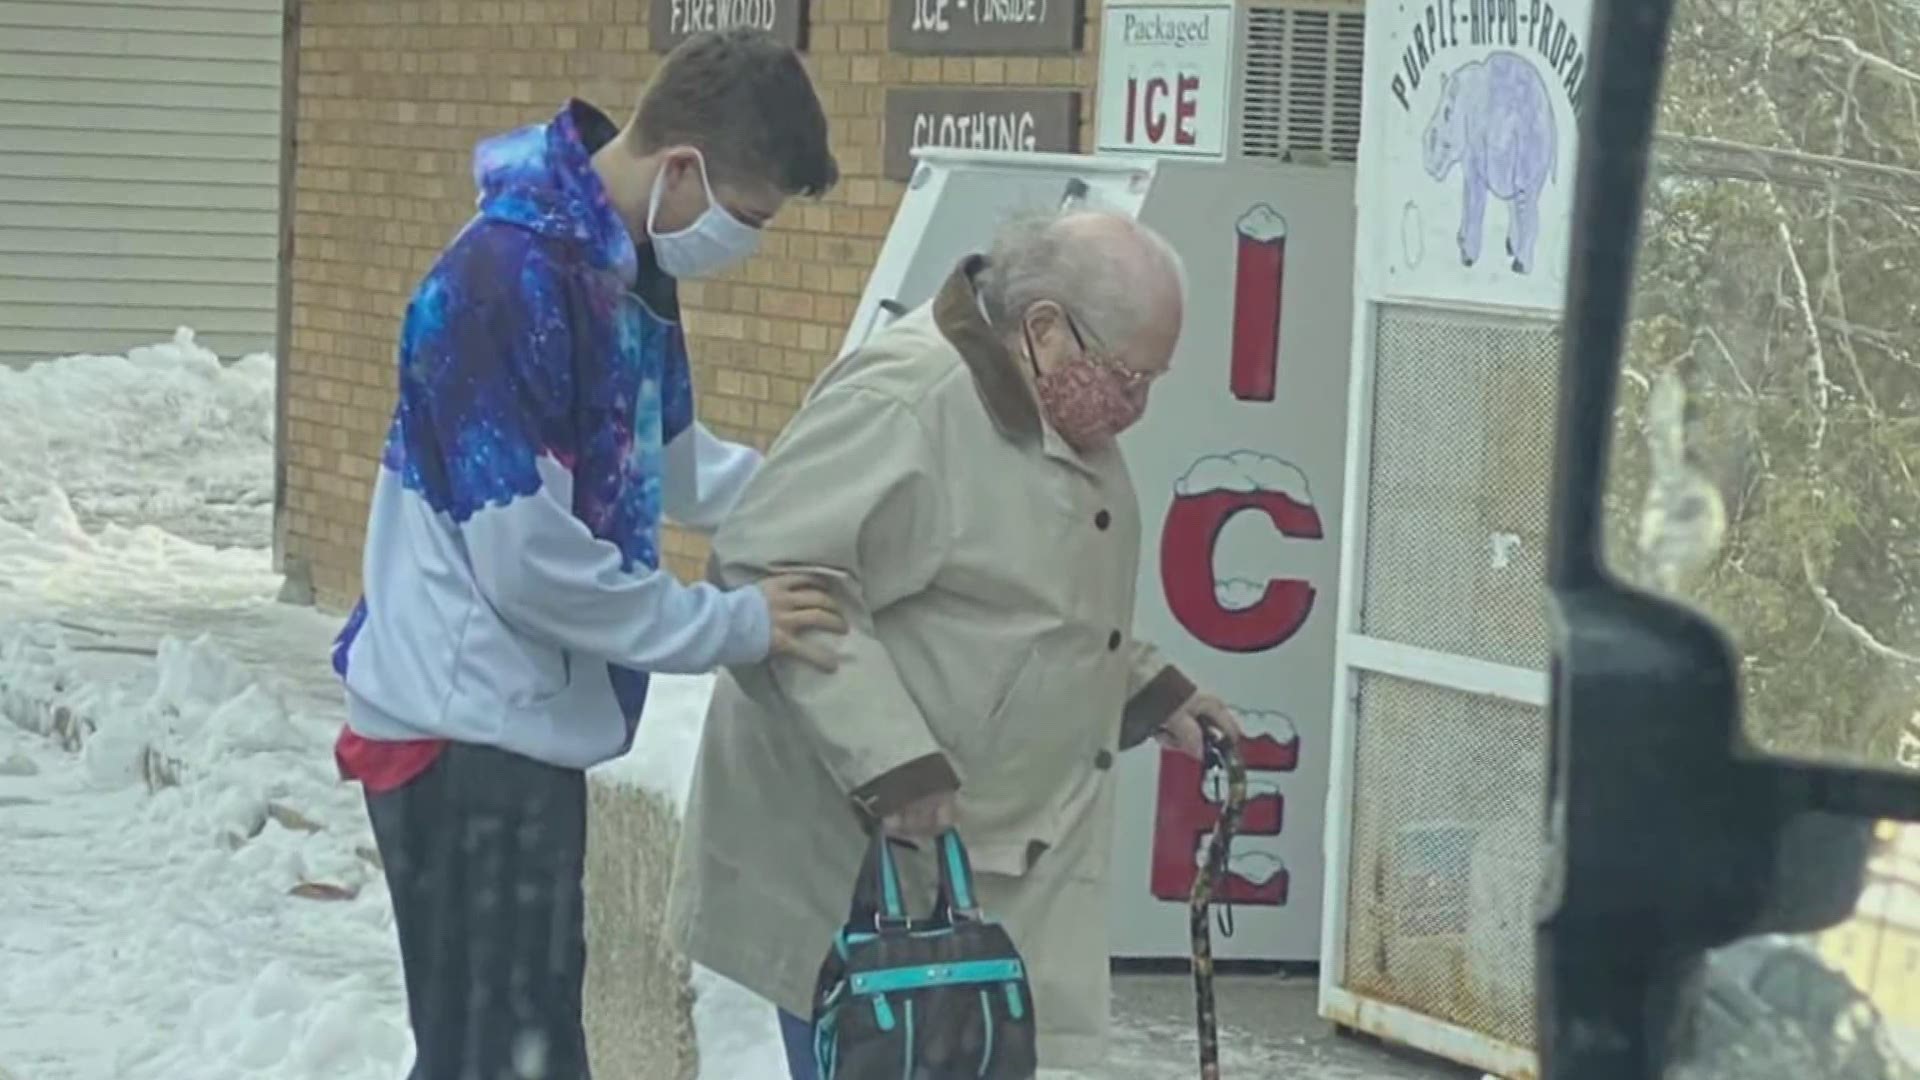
[392, 95]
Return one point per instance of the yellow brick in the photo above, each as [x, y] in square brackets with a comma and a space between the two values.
[847, 279]
[1057, 71]
[771, 418]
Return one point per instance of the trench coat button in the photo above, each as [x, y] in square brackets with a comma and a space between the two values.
[1103, 760]
[1101, 520]
[1113, 641]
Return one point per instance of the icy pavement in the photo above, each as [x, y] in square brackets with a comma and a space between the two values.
[186, 890]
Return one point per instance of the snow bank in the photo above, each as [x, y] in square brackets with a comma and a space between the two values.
[187, 889]
[52, 566]
[166, 435]
[191, 893]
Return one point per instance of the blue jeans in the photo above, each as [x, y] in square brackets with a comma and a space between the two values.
[798, 1035]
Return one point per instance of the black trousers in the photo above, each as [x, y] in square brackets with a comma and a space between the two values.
[485, 855]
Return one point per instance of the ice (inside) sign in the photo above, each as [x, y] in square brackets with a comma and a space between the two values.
[1166, 73]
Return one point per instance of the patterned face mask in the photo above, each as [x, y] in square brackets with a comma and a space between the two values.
[1087, 401]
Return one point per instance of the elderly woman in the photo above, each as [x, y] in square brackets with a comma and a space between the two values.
[956, 483]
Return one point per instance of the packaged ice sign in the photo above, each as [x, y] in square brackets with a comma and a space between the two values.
[670, 22]
[1166, 73]
[984, 27]
[1479, 117]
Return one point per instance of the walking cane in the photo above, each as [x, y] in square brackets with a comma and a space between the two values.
[1223, 754]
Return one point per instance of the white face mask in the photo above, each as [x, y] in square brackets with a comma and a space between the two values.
[715, 240]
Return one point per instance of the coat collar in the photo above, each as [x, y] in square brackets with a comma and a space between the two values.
[1003, 389]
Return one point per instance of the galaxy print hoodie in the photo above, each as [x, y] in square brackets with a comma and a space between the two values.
[513, 595]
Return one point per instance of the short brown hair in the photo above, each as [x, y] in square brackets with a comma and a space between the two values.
[743, 99]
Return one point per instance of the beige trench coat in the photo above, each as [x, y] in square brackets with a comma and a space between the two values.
[987, 570]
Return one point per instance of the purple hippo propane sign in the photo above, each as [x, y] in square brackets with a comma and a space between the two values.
[1475, 145]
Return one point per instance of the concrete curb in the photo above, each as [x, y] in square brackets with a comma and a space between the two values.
[639, 999]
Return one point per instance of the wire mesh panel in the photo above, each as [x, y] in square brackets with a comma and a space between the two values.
[1447, 854]
[1449, 787]
[1463, 431]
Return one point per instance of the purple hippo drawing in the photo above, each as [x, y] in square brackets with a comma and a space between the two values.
[1494, 120]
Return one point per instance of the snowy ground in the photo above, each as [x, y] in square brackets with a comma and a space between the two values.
[166, 436]
[166, 801]
[186, 890]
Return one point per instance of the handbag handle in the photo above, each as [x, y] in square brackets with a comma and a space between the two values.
[878, 900]
[957, 900]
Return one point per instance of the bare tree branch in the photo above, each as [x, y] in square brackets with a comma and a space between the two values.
[1894, 345]
[1886, 46]
[1816, 354]
[1693, 155]
[1830, 290]
[1881, 67]
[1714, 336]
[1852, 626]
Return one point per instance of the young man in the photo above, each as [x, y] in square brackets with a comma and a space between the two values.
[514, 603]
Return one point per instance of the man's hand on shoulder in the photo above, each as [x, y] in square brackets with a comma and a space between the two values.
[798, 603]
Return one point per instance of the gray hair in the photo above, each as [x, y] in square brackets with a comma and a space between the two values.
[1101, 277]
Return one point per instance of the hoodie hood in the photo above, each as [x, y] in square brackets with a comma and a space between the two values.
[540, 178]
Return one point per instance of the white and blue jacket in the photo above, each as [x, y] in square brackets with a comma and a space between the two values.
[513, 594]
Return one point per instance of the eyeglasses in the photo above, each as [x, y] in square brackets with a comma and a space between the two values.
[1130, 380]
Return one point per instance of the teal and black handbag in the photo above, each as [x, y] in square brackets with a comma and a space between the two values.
[942, 998]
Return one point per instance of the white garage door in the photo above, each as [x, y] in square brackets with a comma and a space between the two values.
[139, 174]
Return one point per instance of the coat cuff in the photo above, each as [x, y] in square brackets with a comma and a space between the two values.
[1151, 708]
[930, 774]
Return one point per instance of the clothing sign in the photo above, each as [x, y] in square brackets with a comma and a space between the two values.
[1477, 128]
[1166, 79]
[1024, 120]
